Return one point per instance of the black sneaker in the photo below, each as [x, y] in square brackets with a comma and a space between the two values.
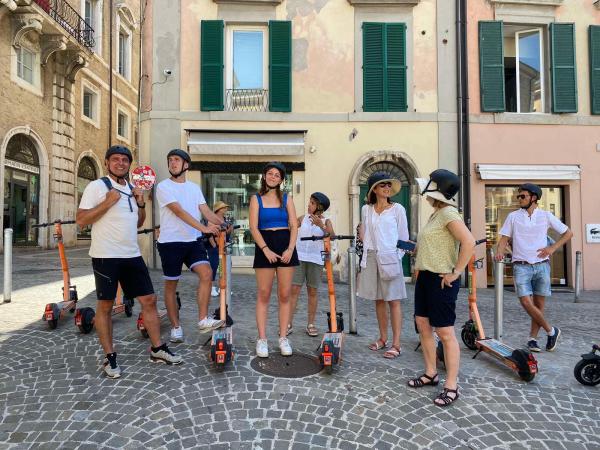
[533, 346]
[164, 355]
[552, 340]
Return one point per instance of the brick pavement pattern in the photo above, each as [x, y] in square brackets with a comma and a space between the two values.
[53, 395]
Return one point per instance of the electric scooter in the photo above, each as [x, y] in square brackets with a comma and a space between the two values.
[473, 335]
[587, 370]
[221, 344]
[55, 311]
[85, 317]
[332, 343]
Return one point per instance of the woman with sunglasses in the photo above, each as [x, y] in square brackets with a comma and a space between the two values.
[440, 263]
[383, 223]
[274, 227]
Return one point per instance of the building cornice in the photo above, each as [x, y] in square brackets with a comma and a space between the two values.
[250, 2]
[530, 2]
[383, 2]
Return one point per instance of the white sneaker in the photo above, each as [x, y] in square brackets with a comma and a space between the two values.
[262, 348]
[164, 355]
[284, 346]
[177, 334]
[214, 292]
[209, 324]
[111, 368]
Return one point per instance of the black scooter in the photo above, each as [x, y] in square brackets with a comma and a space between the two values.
[587, 371]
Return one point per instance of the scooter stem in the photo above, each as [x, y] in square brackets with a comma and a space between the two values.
[473, 311]
[330, 285]
[222, 277]
[63, 262]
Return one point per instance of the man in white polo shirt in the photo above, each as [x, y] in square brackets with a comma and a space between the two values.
[527, 228]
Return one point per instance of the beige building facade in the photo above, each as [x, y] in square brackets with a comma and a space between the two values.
[62, 102]
[534, 74]
[334, 89]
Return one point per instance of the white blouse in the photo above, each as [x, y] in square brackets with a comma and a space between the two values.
[382, 231]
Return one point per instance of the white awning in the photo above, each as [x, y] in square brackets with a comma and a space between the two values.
[246, 143]
[528, 172]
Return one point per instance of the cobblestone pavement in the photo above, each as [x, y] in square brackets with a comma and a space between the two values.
[52, 394]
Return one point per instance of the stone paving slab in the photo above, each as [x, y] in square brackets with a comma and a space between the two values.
[52, 393]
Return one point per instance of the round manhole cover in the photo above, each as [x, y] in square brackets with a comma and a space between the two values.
[296, 366]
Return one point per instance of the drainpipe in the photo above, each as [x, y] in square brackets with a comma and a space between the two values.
[464, 160]
[110, 70]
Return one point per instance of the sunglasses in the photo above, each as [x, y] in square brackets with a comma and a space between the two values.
[385, 184]
[522, 196]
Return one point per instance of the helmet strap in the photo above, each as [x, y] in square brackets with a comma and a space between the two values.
[177, 175]
[117, 177]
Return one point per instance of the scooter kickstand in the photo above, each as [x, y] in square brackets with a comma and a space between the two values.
[207, 341]
[475, 355]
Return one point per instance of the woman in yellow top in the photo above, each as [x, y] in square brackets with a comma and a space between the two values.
[444, 248]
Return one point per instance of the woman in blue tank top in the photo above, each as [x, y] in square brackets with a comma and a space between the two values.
[274, 227]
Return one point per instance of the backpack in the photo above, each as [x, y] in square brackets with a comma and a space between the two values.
[109, 185]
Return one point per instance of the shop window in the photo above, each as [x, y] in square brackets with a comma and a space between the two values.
[501, 201]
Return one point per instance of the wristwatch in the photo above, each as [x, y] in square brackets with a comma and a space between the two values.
[141, 206]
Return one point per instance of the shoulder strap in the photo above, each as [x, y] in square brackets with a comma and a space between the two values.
[284, 200]
[107, 183]
[260, 204]
[373, 237]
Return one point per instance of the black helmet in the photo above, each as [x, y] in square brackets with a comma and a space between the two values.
[181, 153]
[277, 165]
[533, 189]
[447, 183]
[322, 199]
[118, 150]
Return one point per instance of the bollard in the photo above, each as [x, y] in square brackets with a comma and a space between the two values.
[498, 298]
[8, 243]
[228, 252]
[578, 261]
[352, 288]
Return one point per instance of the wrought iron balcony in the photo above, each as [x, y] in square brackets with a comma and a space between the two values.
[246, 100]
[70, 20]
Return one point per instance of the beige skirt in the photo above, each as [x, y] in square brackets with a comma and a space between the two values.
[372, 287]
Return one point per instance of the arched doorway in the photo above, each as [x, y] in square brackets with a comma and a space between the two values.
[86, 172]
[398, 165]
[21, 189]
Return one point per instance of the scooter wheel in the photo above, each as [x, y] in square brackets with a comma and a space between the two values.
[87, 320]
[145, 333]
[587, 372]
[328, 369]
[128, 306]
[526, 376]
[55, 314]
[439, 352]
[468, 335]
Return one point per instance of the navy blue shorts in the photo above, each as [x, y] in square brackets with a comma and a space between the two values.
[433, 302]
[173, 255]
[131, 273]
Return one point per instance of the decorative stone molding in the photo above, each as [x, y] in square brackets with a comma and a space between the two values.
[23, 24]
[250, 2]
[531, 2]
[74, 62]
[383, 2]
[52, 43]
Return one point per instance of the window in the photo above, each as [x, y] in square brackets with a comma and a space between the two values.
[25, 64]
[92, 14]
[90, 103]
[384, 67]
[85, 173]
[89, 13]
[123, 125]
[524, 70]
[247, 69]
[124, 52]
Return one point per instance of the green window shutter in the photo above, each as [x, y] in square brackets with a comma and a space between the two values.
[396, 67]
[280, 65]
[595, 68]
[491, 66]
[211, 65]
[384, 67]
[564, 69]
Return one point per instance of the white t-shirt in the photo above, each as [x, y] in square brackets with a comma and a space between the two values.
[189, 196]
[382, 231]
[114, 235]
[309, 251]
[530, 234]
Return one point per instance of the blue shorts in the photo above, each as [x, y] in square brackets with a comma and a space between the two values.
[532, 279]
[433, 302]
[174, 254]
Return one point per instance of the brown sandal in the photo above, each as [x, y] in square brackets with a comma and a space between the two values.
[419, 383]
[378, 345]
[445, 399]
[392, 352]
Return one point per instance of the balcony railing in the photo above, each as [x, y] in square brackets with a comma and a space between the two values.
[70, 20]
[247, 100]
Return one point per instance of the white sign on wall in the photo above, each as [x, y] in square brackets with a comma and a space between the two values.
[592, 233]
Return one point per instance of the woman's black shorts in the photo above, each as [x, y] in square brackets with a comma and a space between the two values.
[277, 241]
[433, 302]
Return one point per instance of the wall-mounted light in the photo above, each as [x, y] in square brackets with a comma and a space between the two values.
[298, 186]
[312, 149]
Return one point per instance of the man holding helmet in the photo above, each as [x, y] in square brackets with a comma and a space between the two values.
[527, 228]
[181, 203]
[115, 209]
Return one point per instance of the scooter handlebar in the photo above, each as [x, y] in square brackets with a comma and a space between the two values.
[337, 237]
[148, 230]
[50, 224]
[480, 241]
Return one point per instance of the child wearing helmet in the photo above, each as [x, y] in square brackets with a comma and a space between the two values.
[274, 227]
[309, 253]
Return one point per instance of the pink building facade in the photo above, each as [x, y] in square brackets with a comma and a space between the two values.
[534, 89]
